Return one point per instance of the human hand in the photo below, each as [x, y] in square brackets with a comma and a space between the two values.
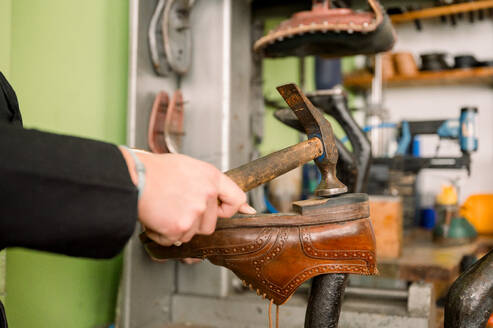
[180, 197]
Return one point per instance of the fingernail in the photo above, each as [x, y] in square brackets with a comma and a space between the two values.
[247, 209]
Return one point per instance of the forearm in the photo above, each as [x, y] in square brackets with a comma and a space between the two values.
[64, 194]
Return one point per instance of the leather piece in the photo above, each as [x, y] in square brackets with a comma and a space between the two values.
[276, 260]
[330, 33]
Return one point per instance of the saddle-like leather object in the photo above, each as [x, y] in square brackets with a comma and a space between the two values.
[330, 32]
[275, 254]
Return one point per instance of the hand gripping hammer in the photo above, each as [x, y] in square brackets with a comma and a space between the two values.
[320, 147]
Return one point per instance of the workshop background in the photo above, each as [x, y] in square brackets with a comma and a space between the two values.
[69, 60]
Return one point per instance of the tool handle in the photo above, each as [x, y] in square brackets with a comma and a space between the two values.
[267, 168]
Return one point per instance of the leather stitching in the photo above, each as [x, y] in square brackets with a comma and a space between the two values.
[241, 249]
[274, 252]
[312, 251]
[282, 33]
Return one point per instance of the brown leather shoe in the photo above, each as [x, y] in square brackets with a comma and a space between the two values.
[275, 254]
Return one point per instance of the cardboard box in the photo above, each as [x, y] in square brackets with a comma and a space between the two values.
[386, 218]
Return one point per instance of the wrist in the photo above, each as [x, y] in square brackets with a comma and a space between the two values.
[139, 170]
[130, 165]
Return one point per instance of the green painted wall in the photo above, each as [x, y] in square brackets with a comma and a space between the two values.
[68, 65]
[5, 10]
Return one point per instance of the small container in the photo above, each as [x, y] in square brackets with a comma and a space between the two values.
[468, 134]
[465, 61]
[405, 64]
[428, 218]
[478, 209]
[388, 69]
[435, 61]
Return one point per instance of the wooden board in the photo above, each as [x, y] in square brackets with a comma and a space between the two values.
[480, 75]
[441, 11]
[386, 218]
[422, 260]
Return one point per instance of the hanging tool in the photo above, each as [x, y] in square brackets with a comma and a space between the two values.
[170, 38]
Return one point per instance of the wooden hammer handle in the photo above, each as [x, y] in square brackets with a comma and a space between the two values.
[265, 169]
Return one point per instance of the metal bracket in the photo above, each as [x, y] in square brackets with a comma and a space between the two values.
[170, 37]
[165, 131]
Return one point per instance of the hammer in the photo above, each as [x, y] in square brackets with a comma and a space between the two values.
[320, 147]
[324, 305]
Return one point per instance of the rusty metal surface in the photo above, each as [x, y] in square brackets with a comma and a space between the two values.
[319, 206]
[470, 299]
[316, 125]
[334, 103]
[347, 170]
[352, 168]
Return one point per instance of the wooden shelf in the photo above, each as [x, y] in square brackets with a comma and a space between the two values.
[441, 11]
[480, 75]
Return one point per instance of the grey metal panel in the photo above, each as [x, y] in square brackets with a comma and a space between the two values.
[217, 89]
[146, 287]
[143, 82]
[246, 311]
[202, 86]
[376, 320]
[241, 72]
[250, 311]
[216, 93]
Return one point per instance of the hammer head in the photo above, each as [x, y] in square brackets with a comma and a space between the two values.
[316, 126]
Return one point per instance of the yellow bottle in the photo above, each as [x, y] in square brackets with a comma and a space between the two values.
[448, 196]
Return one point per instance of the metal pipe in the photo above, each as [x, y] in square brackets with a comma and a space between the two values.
[377, 82]
[470, 299]
[324, 304]
[377, 293]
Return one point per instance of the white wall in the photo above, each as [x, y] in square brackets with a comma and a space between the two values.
[438, 102]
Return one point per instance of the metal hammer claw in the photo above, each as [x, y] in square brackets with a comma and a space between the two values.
[320, 147]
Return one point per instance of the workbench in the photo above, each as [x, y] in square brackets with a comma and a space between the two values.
[422, 260]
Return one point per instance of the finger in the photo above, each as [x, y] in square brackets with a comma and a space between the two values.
[208, 223]
[247, 209]
[231, 197]
[160, 239]
[187, 236]
[191, 261]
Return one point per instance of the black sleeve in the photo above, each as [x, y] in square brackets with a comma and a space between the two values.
[63, 194]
